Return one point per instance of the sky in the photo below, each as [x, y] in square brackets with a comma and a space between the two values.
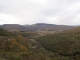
[61, 12]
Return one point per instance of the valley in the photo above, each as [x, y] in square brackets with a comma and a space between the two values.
[59, 43]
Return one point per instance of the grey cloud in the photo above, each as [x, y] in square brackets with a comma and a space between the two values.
[34, 11]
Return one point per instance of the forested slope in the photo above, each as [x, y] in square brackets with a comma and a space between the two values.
[14, 46]
[66, 43]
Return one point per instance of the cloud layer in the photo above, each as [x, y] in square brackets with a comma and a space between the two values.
[40, 11]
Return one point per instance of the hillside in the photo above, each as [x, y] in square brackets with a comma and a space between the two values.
[66, 43]
[4, 32]
[18, 46]
[25, 45]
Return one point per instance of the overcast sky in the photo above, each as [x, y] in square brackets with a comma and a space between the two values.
[65, 12]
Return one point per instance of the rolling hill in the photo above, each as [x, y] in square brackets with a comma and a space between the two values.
[35, 27]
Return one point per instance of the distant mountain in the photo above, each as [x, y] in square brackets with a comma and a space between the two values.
[49, 27]
[39, 26]
[44, 24]
[12, 27]
[35, 27]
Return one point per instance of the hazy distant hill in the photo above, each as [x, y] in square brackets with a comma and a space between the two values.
[12, 27]
[39, 26]
[35, 27]
[43, 26]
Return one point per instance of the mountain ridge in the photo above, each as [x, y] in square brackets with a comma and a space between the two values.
[35, 27]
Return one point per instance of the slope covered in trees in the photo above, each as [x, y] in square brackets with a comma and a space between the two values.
[24, 46]
[66, 43]
[4, 32]
[16, 46]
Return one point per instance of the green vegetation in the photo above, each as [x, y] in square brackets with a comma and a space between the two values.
[23, 45]
[17, 47]
[66, 43]
[4, 32]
